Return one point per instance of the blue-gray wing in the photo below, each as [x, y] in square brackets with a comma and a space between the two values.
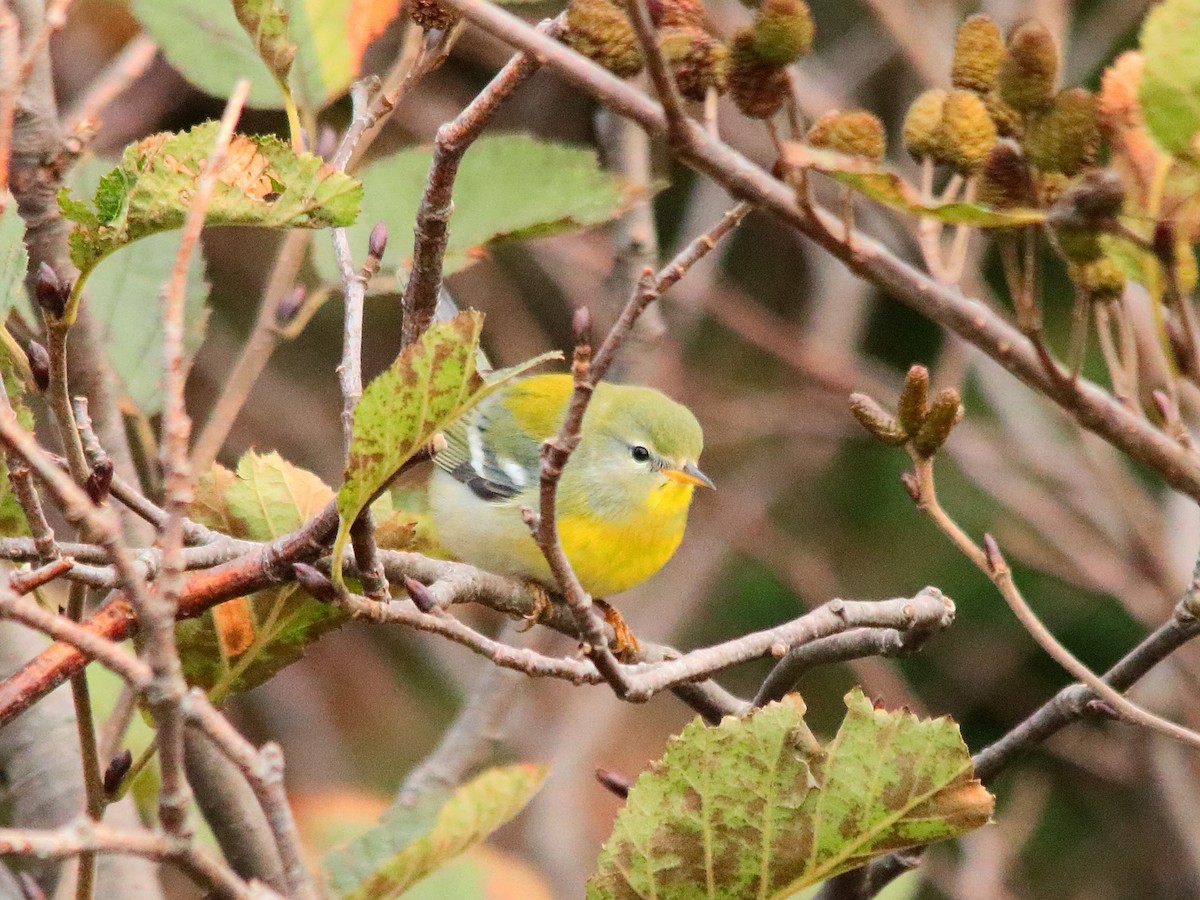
[469, 456]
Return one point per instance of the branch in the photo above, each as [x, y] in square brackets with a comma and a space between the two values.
[972, 319]
[263, 768]
[121, 72]
[157, 624]
[84, 836]
[433, 214]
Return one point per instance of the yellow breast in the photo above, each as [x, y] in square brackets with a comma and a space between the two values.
[612, 556]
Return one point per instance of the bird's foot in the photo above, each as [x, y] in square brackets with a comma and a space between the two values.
[542, 604]
[625, 646]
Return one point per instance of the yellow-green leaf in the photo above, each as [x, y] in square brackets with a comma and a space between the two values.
[245, 641]
[431, 382]
[412, 841]
[756, 807]
[1170, 87]
[890, 189]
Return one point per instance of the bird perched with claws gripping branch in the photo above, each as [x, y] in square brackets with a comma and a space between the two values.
[622, 501]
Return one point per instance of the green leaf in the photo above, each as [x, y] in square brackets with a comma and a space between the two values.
[1170, 88]
[206, 43]
[262, 183]
[118, 293]
[509, 187]
[12, 517]
[755, 807]
[266, 21]
[410, 842]
[243, 642]
[431, 382]
[891, 190]
[14, 259]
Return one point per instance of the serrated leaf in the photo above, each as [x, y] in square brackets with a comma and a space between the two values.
[410, 842]
[1170, 87]
[263, 182]
[755, 807]
[245, 641]
[14, 258]
[208, 46]
[509, 187]
[266, 22]
[431, 382]
[117, 292]
[890, 189]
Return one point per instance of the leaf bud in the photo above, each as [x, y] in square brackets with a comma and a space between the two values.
[118, 767]
[1066, 137]
[758, 88]
[922, 125]
[377, 241]
[1029, 69]
[39, 364]
[967, 133]
[314, 582]
[858, 133]
[1006, 182]
[289, 306]
[944, 413]
[978, 50]
[429, 15]
[783, 31]
[419, 594]
[99, 480]
[50, 293]
[600, 30]
[697, 60]
[1100, 280]
[912, 407]
[876, 420]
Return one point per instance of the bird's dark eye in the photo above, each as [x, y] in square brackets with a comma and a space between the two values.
[640, 453]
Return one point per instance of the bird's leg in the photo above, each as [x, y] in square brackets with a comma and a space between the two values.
[625, 645]
[542, 604]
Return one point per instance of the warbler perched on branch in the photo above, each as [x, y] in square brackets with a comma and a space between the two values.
[622, 500]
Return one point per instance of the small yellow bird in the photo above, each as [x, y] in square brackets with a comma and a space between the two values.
[623, 499]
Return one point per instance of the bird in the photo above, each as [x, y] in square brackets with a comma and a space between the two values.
[623, 497]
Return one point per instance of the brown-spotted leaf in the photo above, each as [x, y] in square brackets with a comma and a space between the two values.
[756, 807]
[431, 382]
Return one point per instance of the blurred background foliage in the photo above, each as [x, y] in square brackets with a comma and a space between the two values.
[764, 343]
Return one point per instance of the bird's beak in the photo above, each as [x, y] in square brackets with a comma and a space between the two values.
[688, 473]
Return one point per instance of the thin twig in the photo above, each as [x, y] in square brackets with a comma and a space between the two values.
[159, 628]
[557, 451]
[991, 562]
[211, 875]
[256, 352]
[678, 132]
[10, 86]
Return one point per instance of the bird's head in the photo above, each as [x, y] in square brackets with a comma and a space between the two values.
[641, 448]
